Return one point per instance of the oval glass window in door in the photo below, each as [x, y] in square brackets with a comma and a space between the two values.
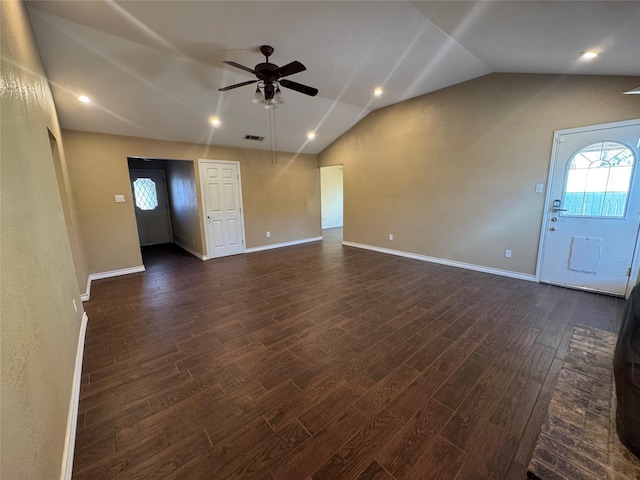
[146, 193]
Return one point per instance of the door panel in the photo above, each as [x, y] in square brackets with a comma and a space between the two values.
[223, 215]
[214, 198]
[151, 206]
[229, 196]
[591, 224]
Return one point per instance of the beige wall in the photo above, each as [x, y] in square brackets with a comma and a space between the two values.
[39, 326]
[283, 198]
[68, 208]
[452, 174]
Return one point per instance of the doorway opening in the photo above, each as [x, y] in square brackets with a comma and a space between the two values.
[332, 200]
[166, 209]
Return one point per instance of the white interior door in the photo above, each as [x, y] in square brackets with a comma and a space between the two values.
[593, 212]
[151, 207]
[223, 208]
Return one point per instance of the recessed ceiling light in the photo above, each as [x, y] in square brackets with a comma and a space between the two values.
[377, 91]
[215, 121]
[311, 135]
[84, 99]
[588, 55]
[635, 91]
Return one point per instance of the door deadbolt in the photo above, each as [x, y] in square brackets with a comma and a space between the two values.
[554, 219]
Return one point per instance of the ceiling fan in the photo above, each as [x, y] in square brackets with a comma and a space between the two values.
[270, 78]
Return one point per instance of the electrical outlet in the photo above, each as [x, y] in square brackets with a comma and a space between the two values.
[268, 234]
[119, 198]
[507, 253]
[539, 187]
[391, 236]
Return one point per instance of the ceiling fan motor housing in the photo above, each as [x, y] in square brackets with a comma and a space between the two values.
[267, 71]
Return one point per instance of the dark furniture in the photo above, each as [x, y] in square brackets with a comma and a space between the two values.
[626, 367]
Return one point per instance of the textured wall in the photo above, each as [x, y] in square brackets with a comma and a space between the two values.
[185, 213]
[39, 327]
[283, 198]
[452, 174]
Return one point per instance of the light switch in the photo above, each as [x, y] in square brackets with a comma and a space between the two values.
[539, 187]
[119, 198]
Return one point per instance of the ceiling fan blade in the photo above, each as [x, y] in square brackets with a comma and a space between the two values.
[290, 69]
[298, 87]
[241, 67]
[230, 87]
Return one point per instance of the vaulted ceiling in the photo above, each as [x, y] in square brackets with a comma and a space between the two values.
[153, 69]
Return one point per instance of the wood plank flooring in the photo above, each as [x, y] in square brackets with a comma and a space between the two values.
[320, 361]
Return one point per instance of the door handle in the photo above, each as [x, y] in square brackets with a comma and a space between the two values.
[553, 229]
[556, 206]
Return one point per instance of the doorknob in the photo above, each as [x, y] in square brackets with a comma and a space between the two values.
[553, 229]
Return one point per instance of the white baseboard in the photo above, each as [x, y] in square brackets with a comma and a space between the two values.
[444, 261]
[111, 273]
[192, 252]
[87, 293]
[284, 244]
[72, 419]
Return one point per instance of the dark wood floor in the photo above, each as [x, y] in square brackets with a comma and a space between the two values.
[320, 361]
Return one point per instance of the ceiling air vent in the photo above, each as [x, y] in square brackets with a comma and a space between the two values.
[253, 137]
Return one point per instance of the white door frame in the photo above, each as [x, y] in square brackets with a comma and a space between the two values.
[203, 210]
[635, 261]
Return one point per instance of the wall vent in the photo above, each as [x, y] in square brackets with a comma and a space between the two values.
[254, 137]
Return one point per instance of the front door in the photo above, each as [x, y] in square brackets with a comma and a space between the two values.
[593, 212]
[223, 211]
[151, 206]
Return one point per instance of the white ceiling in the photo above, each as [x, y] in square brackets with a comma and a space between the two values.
[153, 68]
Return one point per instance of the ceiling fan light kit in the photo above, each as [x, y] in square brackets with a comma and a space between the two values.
[277, 98]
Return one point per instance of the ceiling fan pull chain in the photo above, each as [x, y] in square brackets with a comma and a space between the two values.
[275, 135]
[270, 136]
